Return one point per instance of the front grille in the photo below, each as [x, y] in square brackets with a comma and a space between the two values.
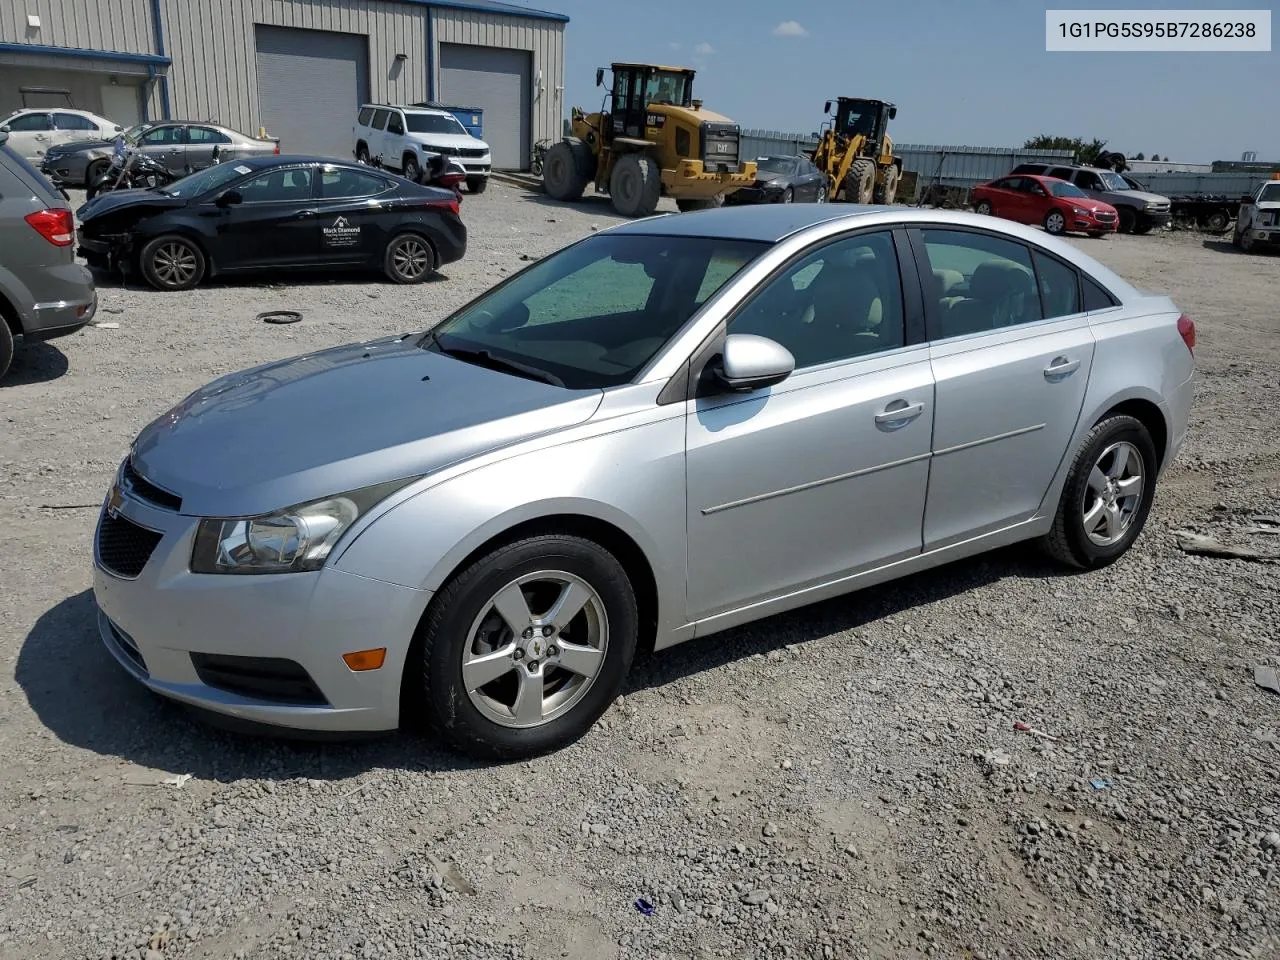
[261, 678]
[124, 643]
[1104, 217]
[472, 152]
[124, 547]
[144, 489]
[719, 146]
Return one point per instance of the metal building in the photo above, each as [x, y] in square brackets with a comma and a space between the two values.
[298, 68]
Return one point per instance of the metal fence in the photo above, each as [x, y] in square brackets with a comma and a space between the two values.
[1231, 185]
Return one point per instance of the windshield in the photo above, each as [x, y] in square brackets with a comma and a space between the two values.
[134, 133]
[210, 178]
[1064, 189]
[1270, 193]
[774, 164]
[596, 312]
[433, 123]
[663, 86]
[1112, 181]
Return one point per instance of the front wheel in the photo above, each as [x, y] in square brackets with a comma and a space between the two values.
[362, 154]
[409, 259]
[983, 207]
[1142, 229]
[477, 184]
[524, 650]
[1127, 220]
[6, 347]
[1097, 234]
[1055, 223]
[171, 262]
[410, 168]
[1107, 495]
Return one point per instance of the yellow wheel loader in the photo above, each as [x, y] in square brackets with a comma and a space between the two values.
[856, 153]
[650, 139]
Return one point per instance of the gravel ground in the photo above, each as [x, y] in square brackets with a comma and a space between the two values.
[840, 782]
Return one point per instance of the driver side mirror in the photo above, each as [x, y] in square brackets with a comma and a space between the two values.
[749, 362]
[6, 129]
[827, 107]
[893, 112]
[229, 199]
[599, 76]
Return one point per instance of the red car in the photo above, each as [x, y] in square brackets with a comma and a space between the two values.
[1057, 205]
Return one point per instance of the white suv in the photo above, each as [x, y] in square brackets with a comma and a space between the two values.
[399, 138]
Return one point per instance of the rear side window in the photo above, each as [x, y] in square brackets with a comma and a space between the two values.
[341, 182]
[989, 282]
[1059, 291]
[380, 119]
[1096, 298]
[29, 122]
[72, 121]
[365, 116]
[206, 135]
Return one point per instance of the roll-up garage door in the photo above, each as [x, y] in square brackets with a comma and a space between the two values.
[496, 80]
[310, 85]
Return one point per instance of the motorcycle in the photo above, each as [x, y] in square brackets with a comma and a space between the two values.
[442, 171]
[135, 170]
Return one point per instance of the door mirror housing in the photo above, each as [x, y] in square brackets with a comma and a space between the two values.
[229, 198]
[893, 112]
[749, 362]
[827, 107]
[599, 76]
[6, 129]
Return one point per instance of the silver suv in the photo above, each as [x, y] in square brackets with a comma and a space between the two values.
[44, 293]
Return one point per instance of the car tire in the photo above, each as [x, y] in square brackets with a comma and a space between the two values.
[362, 154]
[689, 204]
[410, 169]
[6, 347]
[1142, 229]
[1127, 220]
[984, 207]
[1096, 522]
[527, 579]
[171, 262]
[409, 259]
[477, 184]
[635, 185]
[860, 181]
[788, 196]
[1217, 221]
[822, 195]
[96, 171]
[1055, 222]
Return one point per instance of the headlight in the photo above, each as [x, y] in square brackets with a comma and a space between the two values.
[293, 540]
[1150, 205]
[1080, 211]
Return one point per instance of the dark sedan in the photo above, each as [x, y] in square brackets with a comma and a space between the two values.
[274, 213]
[783, 180]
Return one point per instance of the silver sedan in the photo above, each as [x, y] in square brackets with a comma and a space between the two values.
[666, 429]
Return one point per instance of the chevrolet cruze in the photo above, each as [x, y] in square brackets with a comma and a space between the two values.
[666, 429]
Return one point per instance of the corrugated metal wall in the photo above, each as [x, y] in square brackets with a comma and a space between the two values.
[543, 38]
[120, 25]
[1230, 185]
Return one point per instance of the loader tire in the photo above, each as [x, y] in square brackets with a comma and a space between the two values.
[562, 175]
[888, 188]
[635, 185]
[859, 182]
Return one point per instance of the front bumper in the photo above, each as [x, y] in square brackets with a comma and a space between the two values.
[690, 180]
[1155, 219]
[749, 195]
[1263, 234]
[155, 622]
[1092, 224]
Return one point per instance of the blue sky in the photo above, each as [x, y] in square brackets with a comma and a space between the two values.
[960, 73]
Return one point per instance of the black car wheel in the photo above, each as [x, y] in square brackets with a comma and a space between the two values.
[6, 347]
[788, 195]
[362, 154]
[96, 171]
[171, 262]
[1127, 220]
[477, 184]
[410, 168]
[409, 259]
[521, 652]
[822, 194]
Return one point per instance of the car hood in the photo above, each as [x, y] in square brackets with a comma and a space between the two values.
[430, 140]
[1138, 196]
[79, 146]
[115, 200]
[312, 426]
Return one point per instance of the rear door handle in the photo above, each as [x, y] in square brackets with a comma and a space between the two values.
[1061, 367]
[899, 413]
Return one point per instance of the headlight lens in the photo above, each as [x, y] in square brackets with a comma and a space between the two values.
[1080, 211]
[293, 540]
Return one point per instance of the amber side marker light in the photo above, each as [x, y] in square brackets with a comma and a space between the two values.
[361, 660]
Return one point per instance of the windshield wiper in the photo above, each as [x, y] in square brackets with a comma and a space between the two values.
[484, 358]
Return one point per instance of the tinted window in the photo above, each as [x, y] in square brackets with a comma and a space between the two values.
[433, 123]
[1095, 298]
[35, 180]
[1061, 189]
[29, 121]
[1058, 288]
[1008, 183]
[395, 123]
[984, 282]
[206, 135]
[594, 313]
[843, 300]
[278, 185]
[1086, 180]
[366, 115]
[342, 182]
[380, 119]
[775, 165]
[1062, 173]
[72, 121]
[161, 136]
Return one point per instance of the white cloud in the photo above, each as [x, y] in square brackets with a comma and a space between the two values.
[790, 28]
[704, 48]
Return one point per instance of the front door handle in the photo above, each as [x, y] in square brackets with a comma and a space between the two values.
[1061, 367]
[899, 413]
[307, 213]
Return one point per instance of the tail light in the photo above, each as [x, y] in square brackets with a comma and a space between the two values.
[277, 149]
[1187, 330]
[453, 205]
[450, 179]
[56, 226]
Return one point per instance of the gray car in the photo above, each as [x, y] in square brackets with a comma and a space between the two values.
[44, 293]
[666, 429]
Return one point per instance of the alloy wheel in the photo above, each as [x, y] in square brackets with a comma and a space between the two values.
[411, 258]
[1113, 494]
[1055, 223]
[535, 649]
[175, 264]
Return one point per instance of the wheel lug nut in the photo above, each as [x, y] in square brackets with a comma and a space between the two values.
[528, 634]
[519, 654]
[552, 651]
[533, 665]
[547, 631]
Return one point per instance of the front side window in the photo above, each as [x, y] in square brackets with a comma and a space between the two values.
[395, 123]
[30, 122]
[73, 121]
[277, 185]
[996, 287]
[1112, 181]
[1064, 189]
[592, 315]
[162, 137]
[844, 300]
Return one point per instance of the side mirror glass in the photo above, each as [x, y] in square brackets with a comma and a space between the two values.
[229, 199]
[827, 107]
[6, 129]
[600, 76]
[750, 362]
[893, 112]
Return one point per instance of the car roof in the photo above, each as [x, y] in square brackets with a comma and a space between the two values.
[766, 222]
[407, 108]
[293, 159]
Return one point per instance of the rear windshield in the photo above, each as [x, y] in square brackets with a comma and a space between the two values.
[433, 123]
[35, 180]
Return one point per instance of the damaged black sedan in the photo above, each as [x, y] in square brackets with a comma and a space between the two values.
[278, 214]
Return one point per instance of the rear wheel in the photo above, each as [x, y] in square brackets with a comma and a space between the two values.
[477, 184]
[698, 203]
[1107, 495]
[6, 347]
[1055, 222]
[887, 188]
[524, 650]
[635, 185]
[562, 174]
[171, 262]
[409, 259]
[1217, 221]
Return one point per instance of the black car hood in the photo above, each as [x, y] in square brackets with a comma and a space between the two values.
[114, 201]
[67, 149]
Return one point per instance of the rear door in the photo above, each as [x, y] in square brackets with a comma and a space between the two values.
[1011, 359]
[354, 225]
[30, 135]
[201, 142]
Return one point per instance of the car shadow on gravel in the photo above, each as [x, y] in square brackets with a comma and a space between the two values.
[85, 699]
[35, 363]
[261, 281]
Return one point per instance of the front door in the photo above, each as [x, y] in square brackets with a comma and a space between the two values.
[826, 473]
[275, 224]
[167, 144]
[1011, 360]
